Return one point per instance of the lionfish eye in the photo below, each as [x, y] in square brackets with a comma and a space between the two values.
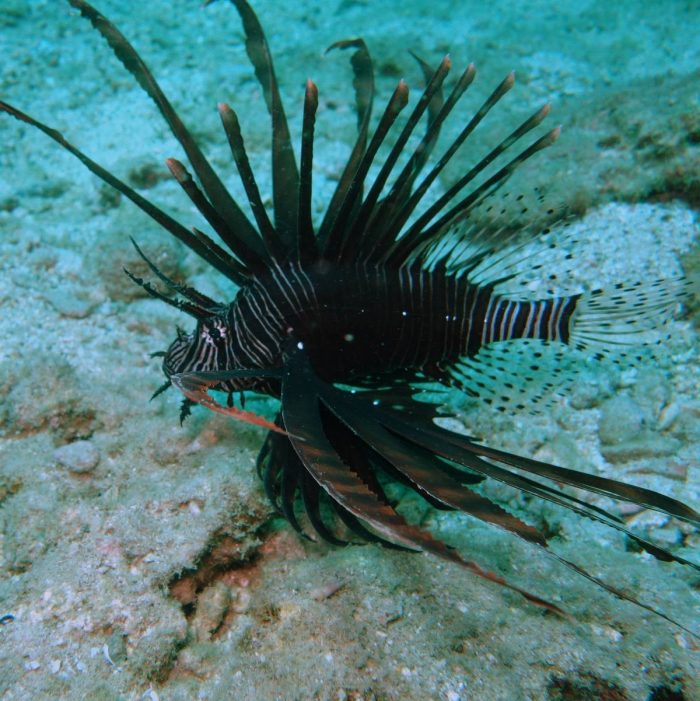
[214, 332]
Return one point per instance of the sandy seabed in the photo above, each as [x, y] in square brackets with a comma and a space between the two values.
[139, 559]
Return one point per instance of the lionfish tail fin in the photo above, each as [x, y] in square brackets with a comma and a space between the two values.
[607, 321]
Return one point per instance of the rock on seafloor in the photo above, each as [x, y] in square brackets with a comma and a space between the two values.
[140, 559]
[81, 456]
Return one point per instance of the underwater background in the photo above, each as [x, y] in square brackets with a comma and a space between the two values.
[140, 559]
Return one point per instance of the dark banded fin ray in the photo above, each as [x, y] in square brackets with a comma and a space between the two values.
[423, 470]
[417, 197]
[188, 307]
[383, 224]
[271, 478]
[281, 472]
[363, 83]
[218, 253]
[239, 230]
[292, 474]
[492, 246]
[421, 235]
[201, 245]
[249, 258]
[452, 446]
[285, 175]
[462, 450]
[311, 494]
[431, 100]
[229, 121]
[438, 109]
[194, 296]
[338, 233]
[306, 239]
[353, 453]
[354, 525]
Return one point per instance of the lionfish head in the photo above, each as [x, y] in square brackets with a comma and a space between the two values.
[203, 350]
[176, 358]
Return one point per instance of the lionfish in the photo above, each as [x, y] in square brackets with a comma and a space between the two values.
[344, 320]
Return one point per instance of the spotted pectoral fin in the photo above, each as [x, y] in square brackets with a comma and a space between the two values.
[520, 374]
[196, 385]
[303, 395]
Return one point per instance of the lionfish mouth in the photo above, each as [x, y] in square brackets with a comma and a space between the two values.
[427, 289]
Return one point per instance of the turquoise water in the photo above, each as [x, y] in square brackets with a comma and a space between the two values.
[143, 562]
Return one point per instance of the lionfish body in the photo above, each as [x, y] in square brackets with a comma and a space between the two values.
[363, 320]
[342, 320]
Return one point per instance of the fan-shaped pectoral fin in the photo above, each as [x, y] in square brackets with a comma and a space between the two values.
[302, 395]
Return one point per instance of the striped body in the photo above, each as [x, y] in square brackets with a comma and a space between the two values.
[363, 320]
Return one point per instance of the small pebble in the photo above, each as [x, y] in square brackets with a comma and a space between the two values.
[648, 519]
[647, 445]
[672, 470]
[668, 415]
[621, 419]
[212, 606]
[80, 456]
[116, 647]
[612, 634]
[628, 509]
[327, 590]
[70, 305]
[652, 390]
[668, 536]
